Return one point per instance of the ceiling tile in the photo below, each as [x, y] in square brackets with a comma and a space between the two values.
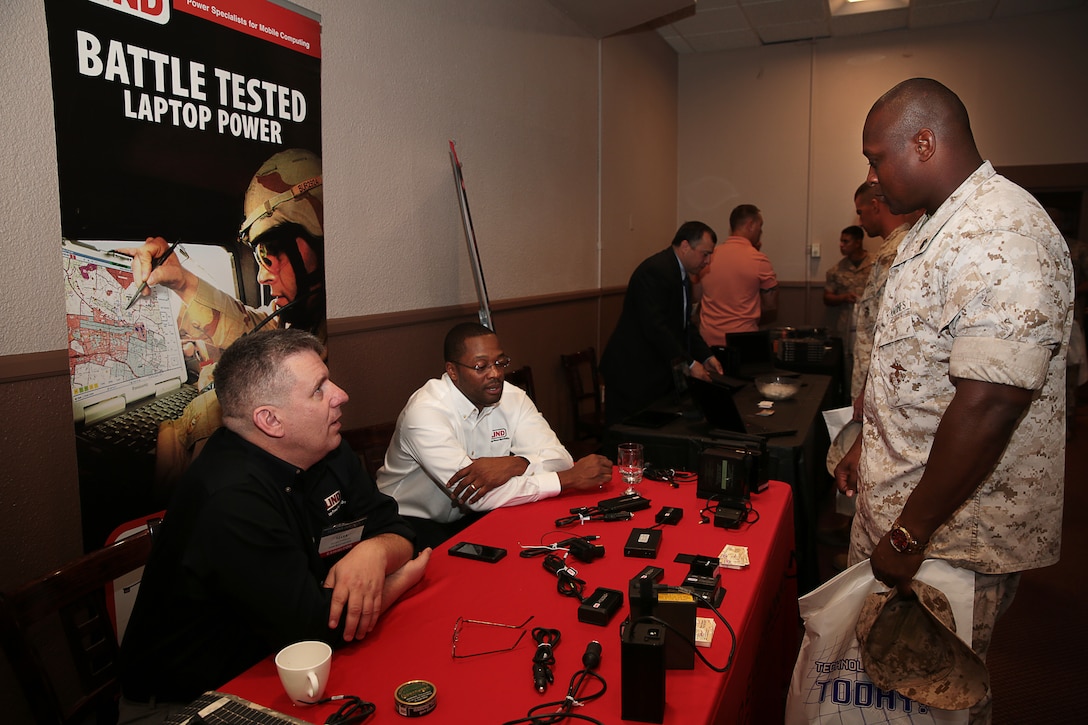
[929, 13]
[862, 23]
[712, 42]
[724, 24]
[786, 32]
[715, 20]
[1007, 8]
[762, 12]
[678, 44]
[602, 18]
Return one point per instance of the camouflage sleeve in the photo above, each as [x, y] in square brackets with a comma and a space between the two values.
[1007, 310]
[217, 318]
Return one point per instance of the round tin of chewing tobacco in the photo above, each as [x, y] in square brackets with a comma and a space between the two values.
[415, 698]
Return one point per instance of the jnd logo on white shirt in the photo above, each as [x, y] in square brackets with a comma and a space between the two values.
[499, 434]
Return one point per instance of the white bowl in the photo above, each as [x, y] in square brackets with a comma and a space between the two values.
[777, 387]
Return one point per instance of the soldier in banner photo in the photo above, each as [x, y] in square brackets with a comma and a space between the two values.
[284, 227]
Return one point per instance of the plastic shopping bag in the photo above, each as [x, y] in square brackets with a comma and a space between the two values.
[829, 683]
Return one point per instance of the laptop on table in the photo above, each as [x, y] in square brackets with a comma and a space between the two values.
[720, 410]
[747, 355]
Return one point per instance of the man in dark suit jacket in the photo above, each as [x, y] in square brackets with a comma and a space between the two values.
[654, 331]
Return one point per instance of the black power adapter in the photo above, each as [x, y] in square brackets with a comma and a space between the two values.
[627, 502]
[642, 672]
[582, 550]
[643, 543]
[728, 517]
[599, 606]
[669, 515]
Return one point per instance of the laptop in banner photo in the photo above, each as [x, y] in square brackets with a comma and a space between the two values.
[120, 360]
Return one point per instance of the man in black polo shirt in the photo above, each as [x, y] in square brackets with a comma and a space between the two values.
[276, 534]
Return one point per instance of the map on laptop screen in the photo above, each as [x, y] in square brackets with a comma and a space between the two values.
[115, 356]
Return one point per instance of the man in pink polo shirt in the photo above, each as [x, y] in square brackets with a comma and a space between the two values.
[739, 286]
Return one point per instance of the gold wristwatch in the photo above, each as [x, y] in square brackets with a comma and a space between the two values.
[903, 541]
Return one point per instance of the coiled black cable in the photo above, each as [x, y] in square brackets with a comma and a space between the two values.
[544, 657]
[561, 709]
[569, 584]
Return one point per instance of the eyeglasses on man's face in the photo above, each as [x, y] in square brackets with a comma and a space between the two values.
[501, 364]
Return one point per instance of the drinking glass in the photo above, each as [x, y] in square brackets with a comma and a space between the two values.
[629, 460]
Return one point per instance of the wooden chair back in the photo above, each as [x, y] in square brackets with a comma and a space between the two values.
[59, 638]
[371, 442]
[523, 378]
[584, 388]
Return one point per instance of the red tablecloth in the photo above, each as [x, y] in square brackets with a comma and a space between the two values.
[413, 639]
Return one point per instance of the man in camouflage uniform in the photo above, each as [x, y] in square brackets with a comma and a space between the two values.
[845, 283]
[878, 221]
[961, 455]
[284, 228]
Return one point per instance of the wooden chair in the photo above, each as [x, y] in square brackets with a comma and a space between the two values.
[584, 388]
[523, 378]
[121, 599]
[371, 442]
[59, 639]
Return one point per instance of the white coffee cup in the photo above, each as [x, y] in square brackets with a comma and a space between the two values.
[304, 670]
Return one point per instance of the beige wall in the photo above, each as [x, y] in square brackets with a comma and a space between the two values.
[515, 86]
[639, 127]
[780, 127]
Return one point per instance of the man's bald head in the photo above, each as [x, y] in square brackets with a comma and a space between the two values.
[924, 103]
[919, 143]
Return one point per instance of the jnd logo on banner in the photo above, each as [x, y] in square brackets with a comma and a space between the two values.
[157, 11]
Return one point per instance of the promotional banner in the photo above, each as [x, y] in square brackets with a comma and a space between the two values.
[188, 146]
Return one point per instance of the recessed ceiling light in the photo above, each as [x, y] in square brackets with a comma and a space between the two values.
[851, 7]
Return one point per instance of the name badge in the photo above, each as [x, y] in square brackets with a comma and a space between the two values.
[341, 537]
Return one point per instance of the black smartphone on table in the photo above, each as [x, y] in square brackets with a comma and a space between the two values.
[479, 552]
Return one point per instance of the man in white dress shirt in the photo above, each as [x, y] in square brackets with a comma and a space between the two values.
[468, 442]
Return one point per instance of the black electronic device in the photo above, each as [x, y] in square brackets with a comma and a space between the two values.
[730, 515]
[680, 447]
[582, 549]
[670, 515]
[674, 606]
[599, 607]
[641, 592]
[479, 552]
[651, 572]
[678, 609]
[746, 355]
[627, 502]
[703, 578]
[727, 474]
[642, 672]
[643, 543]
